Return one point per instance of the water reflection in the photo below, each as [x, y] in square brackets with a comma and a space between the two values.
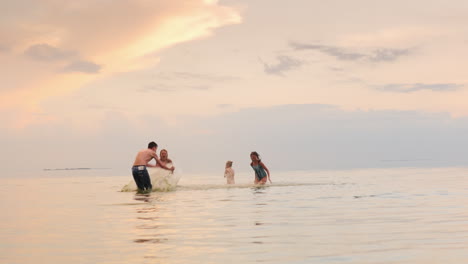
[148, 220]
[153, 241]
[145, 197]
[259, 214]
[259, 189]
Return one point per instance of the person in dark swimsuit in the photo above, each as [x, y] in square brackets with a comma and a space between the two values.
[261, 171]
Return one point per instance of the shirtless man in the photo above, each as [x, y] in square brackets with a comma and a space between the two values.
[139, 171]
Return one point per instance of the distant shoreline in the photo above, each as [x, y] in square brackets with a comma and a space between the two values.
[60, 169]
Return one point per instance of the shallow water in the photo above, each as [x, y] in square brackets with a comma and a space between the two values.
[355, 216]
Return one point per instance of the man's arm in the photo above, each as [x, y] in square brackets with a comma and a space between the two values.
[155, 157]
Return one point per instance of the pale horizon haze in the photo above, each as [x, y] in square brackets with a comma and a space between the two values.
[308, 84]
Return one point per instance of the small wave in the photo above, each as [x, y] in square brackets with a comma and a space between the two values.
[242, 186]
[131, 187]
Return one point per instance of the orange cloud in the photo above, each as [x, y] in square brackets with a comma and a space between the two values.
[107, 36]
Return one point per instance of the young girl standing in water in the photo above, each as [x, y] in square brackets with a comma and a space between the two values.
[229, 173]
[261, 171]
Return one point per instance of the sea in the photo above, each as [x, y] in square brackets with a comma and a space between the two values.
[396, 215]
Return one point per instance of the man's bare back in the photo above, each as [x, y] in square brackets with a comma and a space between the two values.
[144, 156]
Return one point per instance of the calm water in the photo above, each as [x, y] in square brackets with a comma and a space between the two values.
[355, 216]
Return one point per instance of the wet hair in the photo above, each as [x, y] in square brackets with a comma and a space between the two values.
[229, 163]
[255, 153]
[152, 144]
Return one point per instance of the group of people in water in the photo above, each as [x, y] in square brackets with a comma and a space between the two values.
[144, 156]
[262, 174]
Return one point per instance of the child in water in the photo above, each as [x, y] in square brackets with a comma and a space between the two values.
[229, 173]
[261, 171]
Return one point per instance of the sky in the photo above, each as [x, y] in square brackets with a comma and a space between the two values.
[308, 84]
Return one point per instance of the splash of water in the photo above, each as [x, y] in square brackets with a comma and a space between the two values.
[161, 179]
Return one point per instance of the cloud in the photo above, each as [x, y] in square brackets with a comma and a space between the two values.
[200, 87]
[86, 35]
[82, 67]
[45, 52]
[107, 108]
[191, 76]
[165, 88]
[338, 53]
[103, 26]
[336, 69]
[178, 81]
[224, 105]
[383, 55]
[414, 87]
[285, 63]
[3, 47]
[317, 136]
[157, 88]
[376, 55]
